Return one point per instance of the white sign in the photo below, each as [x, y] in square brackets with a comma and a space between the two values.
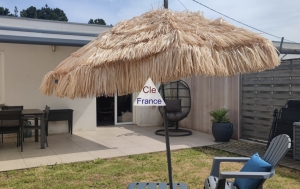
[149, 96]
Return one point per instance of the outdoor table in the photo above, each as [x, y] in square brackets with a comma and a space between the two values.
[154, 185]
[61, 115]
[36, 114]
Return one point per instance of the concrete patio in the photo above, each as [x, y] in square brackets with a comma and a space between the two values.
[105, 142]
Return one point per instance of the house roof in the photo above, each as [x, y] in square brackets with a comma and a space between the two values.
[286, 55]
[47, 32]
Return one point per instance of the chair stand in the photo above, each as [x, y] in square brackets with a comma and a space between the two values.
[176, 132]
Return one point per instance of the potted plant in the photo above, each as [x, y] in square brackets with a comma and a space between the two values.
[222, 128]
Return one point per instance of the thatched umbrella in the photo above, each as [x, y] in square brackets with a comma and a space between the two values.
[163, 45]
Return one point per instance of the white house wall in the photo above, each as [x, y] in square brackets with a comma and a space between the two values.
[148, 116]
[25, 66]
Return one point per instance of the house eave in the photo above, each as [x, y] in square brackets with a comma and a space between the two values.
[42, 41]
[47, 32]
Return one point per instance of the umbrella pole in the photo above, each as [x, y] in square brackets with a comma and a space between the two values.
[167, 140]
[166, 4]
[166, 128]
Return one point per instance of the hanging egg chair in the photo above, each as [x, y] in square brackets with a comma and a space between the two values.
[178, 106]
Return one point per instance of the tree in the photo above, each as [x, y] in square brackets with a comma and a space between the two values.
[99, 21]
[30, 12]
[16, 11]
[59, 15]
[5, 12]
[45, 13]
[91, 21]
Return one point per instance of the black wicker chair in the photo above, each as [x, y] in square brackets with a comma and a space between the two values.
[178, 106]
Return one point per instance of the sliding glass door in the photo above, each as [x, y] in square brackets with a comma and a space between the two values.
[124, 113]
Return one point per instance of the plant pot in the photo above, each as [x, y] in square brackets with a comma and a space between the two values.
[27, 133]
[222, 132]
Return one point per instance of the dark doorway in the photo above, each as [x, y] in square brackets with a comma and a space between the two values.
[105, 111]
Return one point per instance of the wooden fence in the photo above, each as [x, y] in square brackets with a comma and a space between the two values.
[264, 92]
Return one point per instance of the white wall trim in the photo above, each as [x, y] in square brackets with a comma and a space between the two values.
[2, 78]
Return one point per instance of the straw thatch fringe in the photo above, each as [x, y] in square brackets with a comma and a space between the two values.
[163, 45]
[124, 78]
[48, 83]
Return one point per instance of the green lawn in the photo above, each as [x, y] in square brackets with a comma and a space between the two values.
[191, 166]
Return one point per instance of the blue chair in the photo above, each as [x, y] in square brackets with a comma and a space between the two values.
[275, 152]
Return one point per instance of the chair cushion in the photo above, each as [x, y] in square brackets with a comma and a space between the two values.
[176, 116]
[173, 105]
[255, 164]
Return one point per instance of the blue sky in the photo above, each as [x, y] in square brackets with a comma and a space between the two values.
[280, 18]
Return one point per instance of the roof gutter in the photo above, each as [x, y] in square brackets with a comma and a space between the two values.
[47, 31]
[42, 41]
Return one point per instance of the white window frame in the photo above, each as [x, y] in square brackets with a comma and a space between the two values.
[116, 112]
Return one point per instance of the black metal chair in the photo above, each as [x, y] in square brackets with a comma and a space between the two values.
[47, 109]
[178, 106]
[283, 120]
[11, 122]
[11, 108]
[293, 103]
